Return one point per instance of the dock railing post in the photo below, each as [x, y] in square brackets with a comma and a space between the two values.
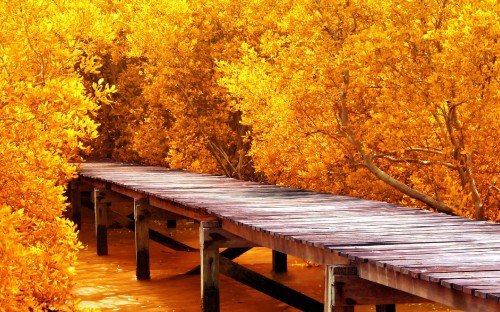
[142, 214]
[209, 259]
[101, 221]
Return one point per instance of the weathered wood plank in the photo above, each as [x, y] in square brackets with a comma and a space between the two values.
[428, 290]
[268, 286]
[453, 256]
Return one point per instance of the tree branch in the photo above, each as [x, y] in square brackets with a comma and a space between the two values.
[416, 161]
[374, 169]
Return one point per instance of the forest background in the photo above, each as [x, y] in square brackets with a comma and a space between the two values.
[394, 100]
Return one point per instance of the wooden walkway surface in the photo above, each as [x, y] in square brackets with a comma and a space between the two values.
[446, 259]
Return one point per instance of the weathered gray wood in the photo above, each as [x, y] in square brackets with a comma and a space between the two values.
[141, 216]
[428, 290]
[128, 222]
[400, 245]
[219, 238]
[209, 254]
[101, 220]
[279, 261]
[335, 298]
[343, 287]
[268, 286]
[229, 253]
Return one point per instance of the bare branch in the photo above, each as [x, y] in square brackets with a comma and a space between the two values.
[417, 161]
[213, 147]
[374, 169]
[476, 197]
[424, 150]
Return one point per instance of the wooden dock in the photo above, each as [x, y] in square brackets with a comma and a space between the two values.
[373, 252]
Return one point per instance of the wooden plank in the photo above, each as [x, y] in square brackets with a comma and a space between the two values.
[127, 191]
[176, 208]
[428, 290]
[129, 223]
[326, 228]
[268, 286]
[229, 253]
[345, 288]
[219, 238]
[311, 253]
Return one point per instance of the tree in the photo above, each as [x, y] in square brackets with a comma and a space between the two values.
[345, 95]
[45, 118]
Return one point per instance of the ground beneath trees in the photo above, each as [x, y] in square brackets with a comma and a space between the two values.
[109, 284]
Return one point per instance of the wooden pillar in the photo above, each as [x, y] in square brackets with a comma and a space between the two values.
[334, 293]
[142, 214]
[101, 221]
[344, 289]
[385, 308]
[171, 224]
[210, 299]
[279, 262]
[76, 204]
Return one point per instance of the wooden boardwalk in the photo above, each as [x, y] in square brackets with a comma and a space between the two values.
[441, 258]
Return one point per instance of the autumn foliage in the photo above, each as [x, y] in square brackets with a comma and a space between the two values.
[45, 116]
[390, 100]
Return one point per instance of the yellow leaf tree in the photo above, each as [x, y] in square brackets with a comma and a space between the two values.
[364, 97]
[45, 116]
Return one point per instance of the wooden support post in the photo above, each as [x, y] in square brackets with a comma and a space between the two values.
[129, 223]
[101, 221]
[171, 224]
[385, 308]
[76, 204]
[334, 289]
[141, 217]
[210, 299]
[229, 253]
[344, 289]
[279, 262]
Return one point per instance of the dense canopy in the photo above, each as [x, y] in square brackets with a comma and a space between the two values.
[391, 100]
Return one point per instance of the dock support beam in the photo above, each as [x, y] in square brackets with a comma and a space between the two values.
[344, 289]
[209, 253]
[101, 221]
[76, 204]
[279, 262]
[141, 216]
[335, 300]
